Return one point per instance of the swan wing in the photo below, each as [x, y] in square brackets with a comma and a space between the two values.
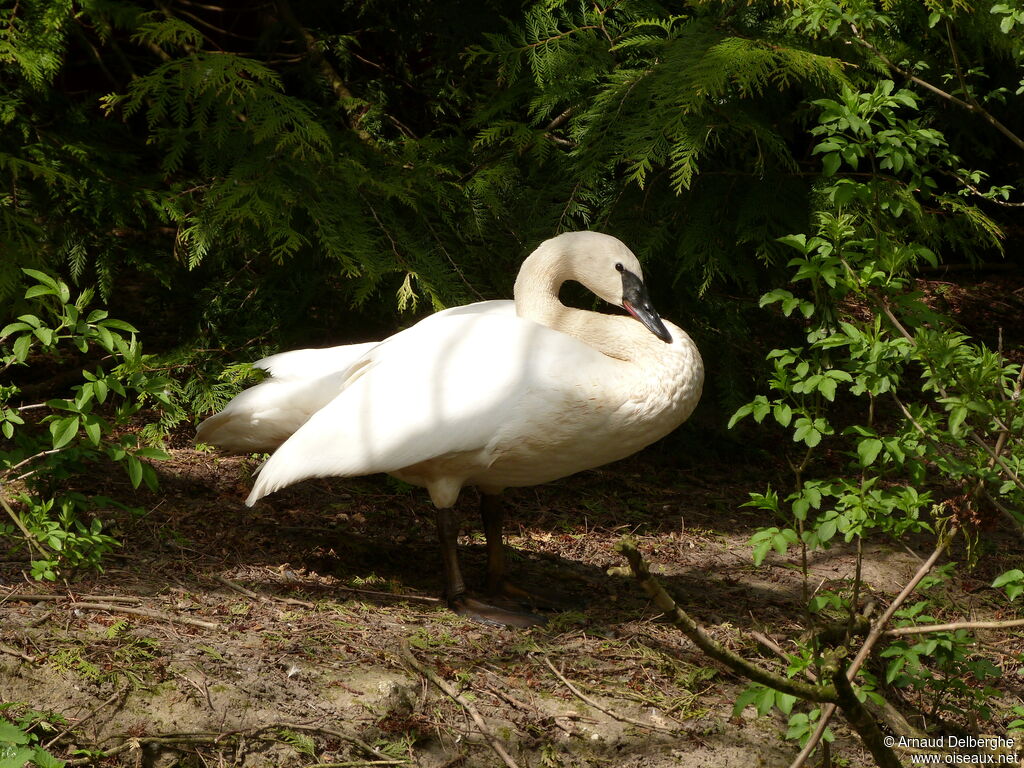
[303, 381]
[262, 417]
[452, 384]
[314, 363]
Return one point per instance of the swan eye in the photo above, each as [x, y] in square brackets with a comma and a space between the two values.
[619, 266]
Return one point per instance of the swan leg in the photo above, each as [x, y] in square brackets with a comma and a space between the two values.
[455, 587]
[492, 514]
[494, 521]
[448, 533]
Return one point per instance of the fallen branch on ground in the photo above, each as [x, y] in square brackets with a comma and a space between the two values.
[148, 613]
[873, 637]
[262, 598]
[108, 605]
[839, 693]
[262, 732]
[406, 654]
[614, 715]
[953, 626]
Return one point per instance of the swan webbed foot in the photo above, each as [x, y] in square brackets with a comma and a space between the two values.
[485, 613]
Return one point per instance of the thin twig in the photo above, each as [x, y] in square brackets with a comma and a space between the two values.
[406, 654]
[15, 652]
[32, 541]
[262, 598]
[758, 674]
[33, 457]
[78, 724]
[873, 636]
[147, 612]
[217, 737]
[953, 626]
[316, 56]
[22, 598]
[590, 702]
[976, 109]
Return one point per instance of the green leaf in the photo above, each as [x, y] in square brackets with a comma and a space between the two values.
[800, 508]
[760, 408]
[16, 758]
[93, 430]
[45, 335]
[159, 454]
[751, 694]
[826, 530]
[785, 702]
[21, 348]
[830, 163]
[956, 418]
[39, 290]
[42, 277]
[761, 550]
[783, 414]
[63, 431]
[134, 470]
[765, 701]
[12, 327]
[120, 325]
[779, 294]
[44, 759]
[827, 387]
[105, 337]
[894, 668]
[794, 241]
[12, 734]
[743, 410]
[868, 450]
[1015, 575]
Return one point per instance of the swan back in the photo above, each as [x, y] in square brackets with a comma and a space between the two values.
[484, 395]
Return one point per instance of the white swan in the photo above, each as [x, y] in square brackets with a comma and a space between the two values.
[495, 394]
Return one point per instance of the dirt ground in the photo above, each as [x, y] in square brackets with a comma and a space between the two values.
[307, 630]
[281, 635]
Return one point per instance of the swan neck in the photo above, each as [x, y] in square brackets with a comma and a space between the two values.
[536, 299]
[537, 286]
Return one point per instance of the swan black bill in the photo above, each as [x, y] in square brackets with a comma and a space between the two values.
[636, 301]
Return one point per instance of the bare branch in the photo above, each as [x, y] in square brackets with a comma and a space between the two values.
[406, 654]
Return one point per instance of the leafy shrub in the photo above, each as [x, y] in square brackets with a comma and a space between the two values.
[925, 421]
[50, 444]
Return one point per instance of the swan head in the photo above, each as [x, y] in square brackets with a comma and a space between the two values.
[604, 265]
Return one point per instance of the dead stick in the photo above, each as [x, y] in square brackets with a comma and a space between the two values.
[262, 598]
[15, 652]
[169, 617]
[925, 628]
[215, 737]
[876, 633]
[738, 664]
[407, 656]
[117, 695]
[614, 715]
[15, 597]
[392, 595]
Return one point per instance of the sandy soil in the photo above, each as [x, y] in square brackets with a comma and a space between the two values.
[281, 635]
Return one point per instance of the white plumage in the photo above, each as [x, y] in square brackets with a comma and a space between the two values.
[494, 394]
